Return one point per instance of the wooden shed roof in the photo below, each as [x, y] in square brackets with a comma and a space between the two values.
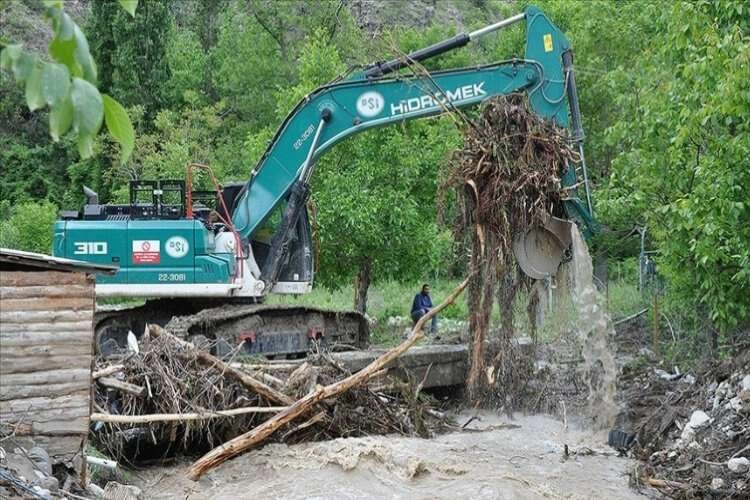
[19, 260]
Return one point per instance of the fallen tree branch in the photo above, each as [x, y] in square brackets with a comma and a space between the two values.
[628, 318]
[664, 483]
[109, 370]
[122, 386]
[207, 359]
[181, 417]
[241, 443]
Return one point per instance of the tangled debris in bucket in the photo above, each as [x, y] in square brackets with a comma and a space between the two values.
[507, 179]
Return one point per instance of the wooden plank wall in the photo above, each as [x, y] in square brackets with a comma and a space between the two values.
[46, 339]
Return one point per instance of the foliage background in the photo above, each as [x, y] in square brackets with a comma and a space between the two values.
[664, 90]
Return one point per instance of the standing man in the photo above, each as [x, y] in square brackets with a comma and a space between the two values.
[422, 303]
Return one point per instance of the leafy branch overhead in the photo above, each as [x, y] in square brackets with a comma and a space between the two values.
[68, 84]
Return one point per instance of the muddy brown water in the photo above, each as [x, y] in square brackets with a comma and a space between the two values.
[595, 334]
[499, 458]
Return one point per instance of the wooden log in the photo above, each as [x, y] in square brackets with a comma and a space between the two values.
[257, 435]
[182, 417]
[137, 390]
[46, 390]
[62, 449]
[109, 370]
[26, 278]
[664, 483]
[266, 367]
[85, 325]
[41, 404]
[274, 382]
[45, 350]
[33, 364]
[51, 291]
[58, 338]
[49, 304]
[49, 317]
[46, 377]
[207, 359]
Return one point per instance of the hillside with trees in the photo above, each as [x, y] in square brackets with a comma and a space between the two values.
[664, 94]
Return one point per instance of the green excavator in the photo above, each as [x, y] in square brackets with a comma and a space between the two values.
[207, 259]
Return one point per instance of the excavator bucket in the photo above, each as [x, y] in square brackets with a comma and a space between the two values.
[540, 250]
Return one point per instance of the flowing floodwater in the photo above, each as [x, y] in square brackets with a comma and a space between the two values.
[595, 333]
[494, 458]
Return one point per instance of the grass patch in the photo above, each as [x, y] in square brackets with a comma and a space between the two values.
[385, 299]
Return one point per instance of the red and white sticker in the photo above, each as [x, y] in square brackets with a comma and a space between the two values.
[146, 252]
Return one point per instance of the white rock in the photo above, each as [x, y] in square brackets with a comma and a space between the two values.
[739, 465]
[665, 375]
[688, 379]
[746, 383]
[717, 483]
[697, 420]
[737, 404]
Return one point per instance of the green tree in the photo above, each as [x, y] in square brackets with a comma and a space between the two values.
[132, 51]
[28, 227]
[684, 162]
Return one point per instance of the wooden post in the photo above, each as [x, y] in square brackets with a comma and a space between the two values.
[656, 334]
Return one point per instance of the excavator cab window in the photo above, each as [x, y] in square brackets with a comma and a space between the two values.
[298, 265]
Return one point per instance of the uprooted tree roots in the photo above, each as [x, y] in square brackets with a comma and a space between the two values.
[507, 178]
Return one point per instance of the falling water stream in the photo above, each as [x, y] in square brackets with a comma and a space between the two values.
[595, 333]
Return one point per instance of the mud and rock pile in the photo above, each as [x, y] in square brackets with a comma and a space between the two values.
[692, 432]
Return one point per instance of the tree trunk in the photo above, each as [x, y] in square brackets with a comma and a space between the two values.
[361, 285]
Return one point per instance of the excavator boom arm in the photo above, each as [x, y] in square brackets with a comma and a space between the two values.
[371, 99]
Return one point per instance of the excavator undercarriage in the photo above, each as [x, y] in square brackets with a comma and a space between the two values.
[274, 331]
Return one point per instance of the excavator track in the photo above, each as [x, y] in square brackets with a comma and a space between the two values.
[273, 331]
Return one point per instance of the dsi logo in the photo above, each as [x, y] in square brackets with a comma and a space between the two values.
[370, 104]
[90, 248]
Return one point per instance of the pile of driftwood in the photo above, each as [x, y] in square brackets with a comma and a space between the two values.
[171, 394]
[507, 177]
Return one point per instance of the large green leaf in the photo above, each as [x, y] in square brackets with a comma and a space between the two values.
[34, 97]
[85, 145]
[119, 126]
[64, 51]
[60, 118]
[129, 5]
[23, 65]
[55, 83]
[65, 26]
[83, 56]
[87, 106]
[8, 55]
